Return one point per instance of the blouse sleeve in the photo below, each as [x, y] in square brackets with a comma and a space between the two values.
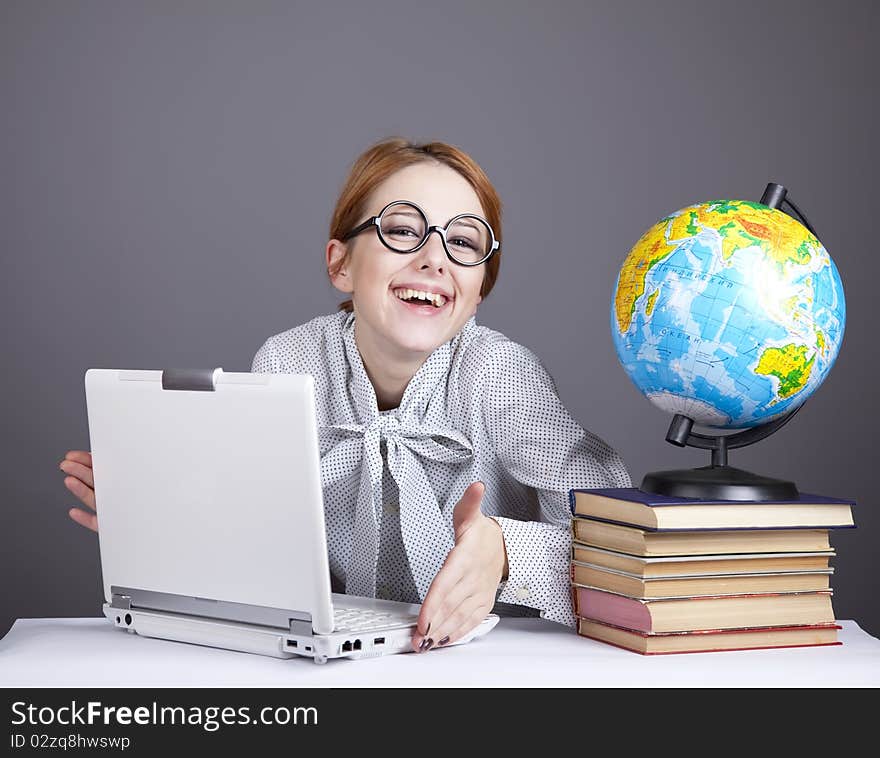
[540, 445]
[266, 359]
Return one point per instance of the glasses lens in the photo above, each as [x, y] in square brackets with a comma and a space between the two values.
[402, 227]
[469, 239]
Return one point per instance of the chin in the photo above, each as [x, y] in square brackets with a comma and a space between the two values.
[422, 341]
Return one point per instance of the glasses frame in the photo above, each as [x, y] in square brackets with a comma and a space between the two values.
[376, 221]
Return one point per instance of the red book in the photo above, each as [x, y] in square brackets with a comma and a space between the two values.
[705, 612]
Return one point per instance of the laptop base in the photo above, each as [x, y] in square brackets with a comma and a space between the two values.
[261, 640]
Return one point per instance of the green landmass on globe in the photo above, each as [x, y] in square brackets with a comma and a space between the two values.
[729, 312]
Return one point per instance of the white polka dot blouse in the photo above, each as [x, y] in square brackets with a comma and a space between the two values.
[481, 408]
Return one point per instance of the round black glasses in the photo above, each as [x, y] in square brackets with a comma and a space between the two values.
[403, 228]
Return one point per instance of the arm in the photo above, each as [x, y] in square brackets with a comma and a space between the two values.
[543, 447]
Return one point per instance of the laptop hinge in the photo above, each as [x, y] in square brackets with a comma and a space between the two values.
[123, 602]
[192, 379]
[298, 626]
[132, 598]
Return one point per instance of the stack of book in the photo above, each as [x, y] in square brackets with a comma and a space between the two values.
[658, 574]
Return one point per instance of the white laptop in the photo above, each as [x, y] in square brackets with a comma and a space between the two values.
[208, 491]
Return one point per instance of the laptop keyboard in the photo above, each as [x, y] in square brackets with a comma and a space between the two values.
[362, 619]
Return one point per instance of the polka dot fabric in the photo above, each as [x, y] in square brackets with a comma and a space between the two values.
[481, 407]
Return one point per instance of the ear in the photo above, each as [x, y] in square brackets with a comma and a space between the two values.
[476, 305]
[335, 256]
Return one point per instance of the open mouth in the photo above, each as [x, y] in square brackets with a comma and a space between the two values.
[421, 301]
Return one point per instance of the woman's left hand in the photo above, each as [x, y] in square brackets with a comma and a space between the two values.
[463, 592]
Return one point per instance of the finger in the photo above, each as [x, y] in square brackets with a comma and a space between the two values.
[443, 606]
[463, 620]
[79, 456]
[80, 471]
[420, 634]
[451, 574]
[84, 518]
[467, 510]
[85, 494]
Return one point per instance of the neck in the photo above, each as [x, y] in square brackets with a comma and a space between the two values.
[389, 373]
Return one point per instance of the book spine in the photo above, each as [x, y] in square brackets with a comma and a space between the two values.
[637, 495]
[719, 650]
[726, 528]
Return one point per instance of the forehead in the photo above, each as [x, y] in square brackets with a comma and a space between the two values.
[438, 189]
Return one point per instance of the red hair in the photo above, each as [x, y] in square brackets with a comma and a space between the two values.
[382, 160]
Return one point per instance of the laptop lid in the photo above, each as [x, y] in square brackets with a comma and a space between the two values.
[208, 493]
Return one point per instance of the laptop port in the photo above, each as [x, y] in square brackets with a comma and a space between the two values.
[346, 646]
[291, 643]
[379, 641]
[357, 644]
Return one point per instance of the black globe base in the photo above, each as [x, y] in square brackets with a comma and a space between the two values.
[718, 483]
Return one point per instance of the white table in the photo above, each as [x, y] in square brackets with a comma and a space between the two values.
[519, 652]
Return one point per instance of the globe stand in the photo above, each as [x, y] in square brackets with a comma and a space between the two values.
[718, 481]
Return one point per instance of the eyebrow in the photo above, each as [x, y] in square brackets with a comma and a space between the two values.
[468, 222]
[413, 214]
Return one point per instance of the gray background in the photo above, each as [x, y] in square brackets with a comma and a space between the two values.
[168, 169]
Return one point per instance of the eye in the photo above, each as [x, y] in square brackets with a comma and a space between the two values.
[402, 231]
[462, 242]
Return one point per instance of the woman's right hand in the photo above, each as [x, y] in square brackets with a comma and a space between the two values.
[77, 464]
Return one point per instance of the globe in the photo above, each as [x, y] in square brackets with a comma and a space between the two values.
[728, 312]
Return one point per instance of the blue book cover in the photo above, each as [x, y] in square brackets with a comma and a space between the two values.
[653, 500]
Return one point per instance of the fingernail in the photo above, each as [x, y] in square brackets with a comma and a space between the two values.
[444, 640]
[425, 633]
[423, 644]
[430, 643]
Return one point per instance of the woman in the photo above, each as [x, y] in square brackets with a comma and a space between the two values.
[446, 454]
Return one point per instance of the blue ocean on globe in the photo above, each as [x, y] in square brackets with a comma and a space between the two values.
[728, 312]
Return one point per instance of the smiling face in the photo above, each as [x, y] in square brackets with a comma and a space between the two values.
[380, 281]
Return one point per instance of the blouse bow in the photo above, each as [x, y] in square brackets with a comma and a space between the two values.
[427, 533]
[421, 518]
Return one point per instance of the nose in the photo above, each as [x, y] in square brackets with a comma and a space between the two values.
[433, 254]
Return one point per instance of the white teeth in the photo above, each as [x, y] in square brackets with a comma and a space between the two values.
[437, 299]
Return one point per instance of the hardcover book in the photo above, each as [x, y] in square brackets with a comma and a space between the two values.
[685, 614]
[632, 506]
[696, 565]
[714, 640]
[637, 541]
[690, 586]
